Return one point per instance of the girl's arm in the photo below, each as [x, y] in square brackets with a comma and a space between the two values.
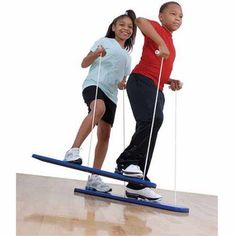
[92, 56]
[122, 84]
[146, 27]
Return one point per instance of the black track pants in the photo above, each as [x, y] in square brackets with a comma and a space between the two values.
[142, 94]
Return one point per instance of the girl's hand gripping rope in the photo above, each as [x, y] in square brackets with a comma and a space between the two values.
[100, 51]
[122, 84]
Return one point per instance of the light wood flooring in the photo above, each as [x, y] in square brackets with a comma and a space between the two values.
[47, 206]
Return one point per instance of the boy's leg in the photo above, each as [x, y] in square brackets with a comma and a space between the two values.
[142, 95]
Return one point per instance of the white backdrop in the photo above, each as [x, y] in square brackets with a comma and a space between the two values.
[42, 46]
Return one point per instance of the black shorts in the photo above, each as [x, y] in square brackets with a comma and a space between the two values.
[89, 96]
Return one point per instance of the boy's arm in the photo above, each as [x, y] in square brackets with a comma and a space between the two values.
[174, 84]
[146, 27]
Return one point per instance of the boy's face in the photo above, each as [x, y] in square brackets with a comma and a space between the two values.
[171, 17]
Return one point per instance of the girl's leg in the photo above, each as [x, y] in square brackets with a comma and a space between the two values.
[86, 125]
[103, 135]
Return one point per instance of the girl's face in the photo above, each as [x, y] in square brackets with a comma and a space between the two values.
[171, 17]
[123, 29]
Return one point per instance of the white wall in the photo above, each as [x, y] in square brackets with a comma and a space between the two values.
[42, 45]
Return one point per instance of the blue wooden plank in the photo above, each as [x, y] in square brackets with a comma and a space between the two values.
[155, 204]
[94, 171]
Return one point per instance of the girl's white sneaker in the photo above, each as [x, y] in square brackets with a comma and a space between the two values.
[73, 155]
[95, 183]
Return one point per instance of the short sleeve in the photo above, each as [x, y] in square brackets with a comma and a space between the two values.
[96, 44]
[156, 25]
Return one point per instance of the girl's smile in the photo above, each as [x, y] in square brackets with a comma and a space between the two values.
[123, 30]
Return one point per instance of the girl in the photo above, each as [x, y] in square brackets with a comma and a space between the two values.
[114, 68]
[142, 88]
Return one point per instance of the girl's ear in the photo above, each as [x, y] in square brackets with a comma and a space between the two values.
[113, 28]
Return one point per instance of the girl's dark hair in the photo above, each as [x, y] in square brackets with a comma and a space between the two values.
[130, 41]
[165, 5]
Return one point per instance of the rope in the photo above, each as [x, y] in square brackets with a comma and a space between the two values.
[94, 109]
[175, 134]
[124, 119]
[124, 195]
[153, 117]
[175, 150]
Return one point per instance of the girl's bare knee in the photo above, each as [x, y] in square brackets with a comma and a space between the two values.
[100, 109]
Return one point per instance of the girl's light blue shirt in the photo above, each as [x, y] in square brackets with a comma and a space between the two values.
[114, 66]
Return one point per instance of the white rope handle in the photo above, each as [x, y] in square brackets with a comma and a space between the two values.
[124, 119]
[175, 150]
[94, 109]
[124, 195]
[153, 117]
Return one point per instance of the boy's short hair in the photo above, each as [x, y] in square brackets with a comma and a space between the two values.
[165, 5]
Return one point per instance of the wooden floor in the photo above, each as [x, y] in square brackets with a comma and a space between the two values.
[48, 206]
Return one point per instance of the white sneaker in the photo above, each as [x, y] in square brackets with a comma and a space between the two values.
[73, 155]
[146, 193]
[133, 171]
[95, 183]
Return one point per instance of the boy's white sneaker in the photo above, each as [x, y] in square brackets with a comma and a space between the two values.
[145, 193]
[133, 171]
[73, 155]
[95, 183]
